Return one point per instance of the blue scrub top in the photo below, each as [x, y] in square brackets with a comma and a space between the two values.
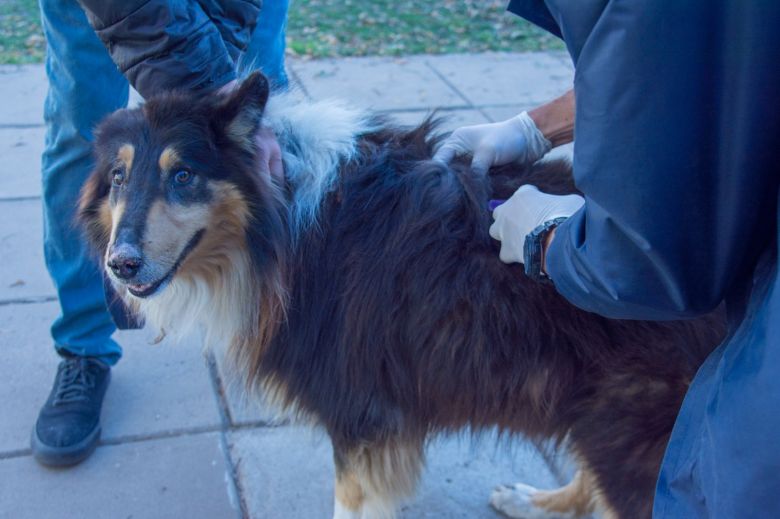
[677, 139]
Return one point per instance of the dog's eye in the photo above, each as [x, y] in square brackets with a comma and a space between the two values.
[183, 177]
[117, 177]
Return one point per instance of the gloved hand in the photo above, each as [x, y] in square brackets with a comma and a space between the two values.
[516, 139]
[525, 210]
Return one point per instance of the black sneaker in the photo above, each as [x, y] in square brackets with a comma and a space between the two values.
[68, 426]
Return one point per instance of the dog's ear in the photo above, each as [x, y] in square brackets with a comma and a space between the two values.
[238, 116]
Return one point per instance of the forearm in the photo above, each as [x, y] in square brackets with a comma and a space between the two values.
[161, 45]
[556, 119]
[628, 271]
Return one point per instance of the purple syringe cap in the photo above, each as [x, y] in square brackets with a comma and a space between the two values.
[493, 203]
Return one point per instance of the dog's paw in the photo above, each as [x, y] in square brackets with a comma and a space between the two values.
[515, 501]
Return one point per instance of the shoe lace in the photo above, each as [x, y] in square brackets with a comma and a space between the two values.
[74, 383]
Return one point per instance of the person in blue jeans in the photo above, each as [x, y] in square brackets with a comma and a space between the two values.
[96, 50]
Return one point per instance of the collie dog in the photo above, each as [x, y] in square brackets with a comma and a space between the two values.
[363, 292]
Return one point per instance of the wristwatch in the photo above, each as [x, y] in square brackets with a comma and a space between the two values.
[533, 250]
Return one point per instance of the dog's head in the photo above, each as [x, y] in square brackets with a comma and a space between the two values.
[176, 183]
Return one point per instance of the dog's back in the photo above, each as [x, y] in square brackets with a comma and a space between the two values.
[405, 323]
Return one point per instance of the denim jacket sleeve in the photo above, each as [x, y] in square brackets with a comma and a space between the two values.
[160, 45]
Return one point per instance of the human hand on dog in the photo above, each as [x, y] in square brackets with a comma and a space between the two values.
[524, 138]
[269, 153]
[514, 140]
[525, 210]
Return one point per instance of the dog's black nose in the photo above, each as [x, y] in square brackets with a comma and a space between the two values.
[125, 261]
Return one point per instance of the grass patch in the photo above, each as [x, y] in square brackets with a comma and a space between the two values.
[21, 38]
[333, 28]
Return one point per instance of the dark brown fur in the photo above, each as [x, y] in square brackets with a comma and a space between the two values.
[400, 322]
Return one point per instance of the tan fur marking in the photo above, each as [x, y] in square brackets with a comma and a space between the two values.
[241, 130]
[105, 218]
[214, 283]
[582, 496]
[380, 477]
[576, 497]
[169, 228]
[348, 491]
[99, 227]
[169, 158]
[606, 510]
[226, 237]
[115, 215]
[217, 278]
[126, 154]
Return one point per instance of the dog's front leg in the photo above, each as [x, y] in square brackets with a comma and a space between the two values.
[349, 498]
[372, 480]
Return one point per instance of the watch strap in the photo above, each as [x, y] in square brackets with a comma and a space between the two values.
[533, 249]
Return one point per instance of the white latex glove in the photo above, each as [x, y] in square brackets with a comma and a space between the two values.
[526, 210]
[514, 140]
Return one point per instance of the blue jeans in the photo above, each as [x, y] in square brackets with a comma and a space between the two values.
[84, 87]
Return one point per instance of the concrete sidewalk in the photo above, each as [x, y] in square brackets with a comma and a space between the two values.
[176, 442]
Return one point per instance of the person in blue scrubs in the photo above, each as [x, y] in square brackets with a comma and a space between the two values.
[677, 132]
[96, 50]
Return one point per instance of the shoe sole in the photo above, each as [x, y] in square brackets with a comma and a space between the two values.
[64, 456]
